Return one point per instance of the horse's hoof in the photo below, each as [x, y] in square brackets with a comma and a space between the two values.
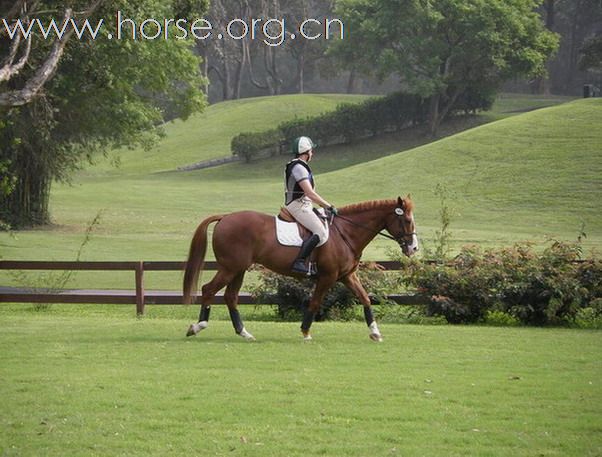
[376, 337]
[307, 338]
[191, 331]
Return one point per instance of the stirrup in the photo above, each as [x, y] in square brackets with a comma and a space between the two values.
[302, 268]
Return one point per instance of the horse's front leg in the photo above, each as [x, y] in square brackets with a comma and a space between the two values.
[354, 284]
[322, 286]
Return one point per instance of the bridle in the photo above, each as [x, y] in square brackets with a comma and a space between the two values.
[399, 239]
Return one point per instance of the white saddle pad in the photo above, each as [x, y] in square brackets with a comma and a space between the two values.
[288, 233]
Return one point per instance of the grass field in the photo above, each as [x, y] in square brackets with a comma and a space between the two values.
[94, 380]
[103, 383]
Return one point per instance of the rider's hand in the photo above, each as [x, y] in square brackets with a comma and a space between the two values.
[333, 210]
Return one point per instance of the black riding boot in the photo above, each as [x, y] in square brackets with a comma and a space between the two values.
[299, 266]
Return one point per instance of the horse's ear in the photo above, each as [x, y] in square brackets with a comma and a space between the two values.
[409, 197]
[400, 202]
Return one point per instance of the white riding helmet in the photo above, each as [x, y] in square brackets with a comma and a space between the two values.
[302, 145]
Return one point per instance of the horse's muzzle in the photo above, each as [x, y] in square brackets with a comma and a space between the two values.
[409, 249]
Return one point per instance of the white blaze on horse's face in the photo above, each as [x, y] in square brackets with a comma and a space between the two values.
[413, 246]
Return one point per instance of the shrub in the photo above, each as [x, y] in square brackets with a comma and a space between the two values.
[501, 319]
[291, 296]
[536, 289]
[589, 316]
[251, 145]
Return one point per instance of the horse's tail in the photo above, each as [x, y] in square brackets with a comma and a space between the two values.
[196, 258]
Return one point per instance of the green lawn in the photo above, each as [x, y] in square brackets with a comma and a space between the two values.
[94, 380]
[104, 383]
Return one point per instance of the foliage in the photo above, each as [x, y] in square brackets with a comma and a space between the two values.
[106, 93]
[444, 49]
[442, 241]
[536, 288]
[291, 296]
[500, 319]
[591, 55]
[7, 184]
[348, 122]
[250, 145]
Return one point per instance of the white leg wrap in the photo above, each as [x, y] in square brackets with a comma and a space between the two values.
[246, 335]
[375, 332]
[200, 326]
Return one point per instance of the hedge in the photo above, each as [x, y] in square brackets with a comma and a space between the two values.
[347, 123]
[553, 287]
[250, 145]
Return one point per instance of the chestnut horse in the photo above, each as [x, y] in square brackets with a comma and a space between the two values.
[243, 238]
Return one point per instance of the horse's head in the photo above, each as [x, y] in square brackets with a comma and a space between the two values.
[400, 224]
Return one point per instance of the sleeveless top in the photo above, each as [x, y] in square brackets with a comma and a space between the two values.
[296, 171]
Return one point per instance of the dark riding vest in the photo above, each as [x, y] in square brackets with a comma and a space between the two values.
[293, 189]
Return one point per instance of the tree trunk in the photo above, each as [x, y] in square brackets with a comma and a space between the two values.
[550, 14]
[542, 84]
[205, 72]
[226, 82]
[351, 81]
[434, 119]
[27, 204]
[572, 52]
[301, 73]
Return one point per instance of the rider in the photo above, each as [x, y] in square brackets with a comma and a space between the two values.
[299, 195]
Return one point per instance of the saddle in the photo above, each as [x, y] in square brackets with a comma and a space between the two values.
[289, 232]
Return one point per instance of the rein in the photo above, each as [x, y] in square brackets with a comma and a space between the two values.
[399, 239]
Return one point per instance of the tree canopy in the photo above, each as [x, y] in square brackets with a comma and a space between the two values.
[103, 93]
[445, 48]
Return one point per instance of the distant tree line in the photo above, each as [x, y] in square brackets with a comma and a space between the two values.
[250, 67]
[244, 69]
[579, 25]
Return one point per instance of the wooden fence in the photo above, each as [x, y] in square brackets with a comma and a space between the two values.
[138, 296]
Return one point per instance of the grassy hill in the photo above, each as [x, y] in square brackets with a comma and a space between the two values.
[207, 135]
[526, 176]
[536, 174]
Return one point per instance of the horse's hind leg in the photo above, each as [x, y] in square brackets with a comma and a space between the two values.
[231, 298]
[208, 293]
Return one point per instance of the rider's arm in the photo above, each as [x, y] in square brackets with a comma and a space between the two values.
[312, 194]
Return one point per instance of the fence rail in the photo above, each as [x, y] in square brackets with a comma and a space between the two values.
[139, 297]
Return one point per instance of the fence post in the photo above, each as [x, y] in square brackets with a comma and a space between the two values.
[140, 288]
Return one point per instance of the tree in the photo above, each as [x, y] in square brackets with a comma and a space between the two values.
[20, 46]
[442, 48]
[591, 55]
[306, 53]
[225, 59]
[575, 21]
[105, 93]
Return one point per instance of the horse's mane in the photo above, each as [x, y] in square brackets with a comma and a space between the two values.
[374, 204]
